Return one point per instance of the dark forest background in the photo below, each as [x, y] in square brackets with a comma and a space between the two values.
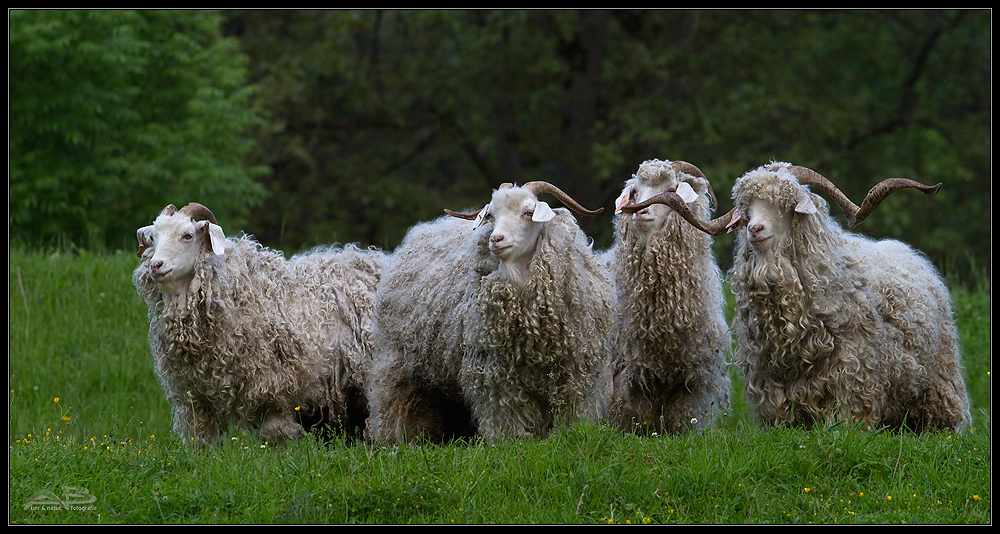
[313, 127]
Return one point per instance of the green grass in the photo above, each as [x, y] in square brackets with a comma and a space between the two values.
[88, 424]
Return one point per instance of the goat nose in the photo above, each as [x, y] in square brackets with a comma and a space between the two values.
[156, 264]
[756, 229]
[496, 238]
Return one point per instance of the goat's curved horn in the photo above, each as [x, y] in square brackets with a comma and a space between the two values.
[194, 209]
[878, 193]
[885, 188]
[718, 226]
[471, 215]
[468, 215]
[685, 167]
[807, 176]
[545, 187]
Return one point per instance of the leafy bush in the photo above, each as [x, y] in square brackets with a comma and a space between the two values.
[114, 114]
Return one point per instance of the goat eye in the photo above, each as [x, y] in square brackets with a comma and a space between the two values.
[529, 213]
[188, 237]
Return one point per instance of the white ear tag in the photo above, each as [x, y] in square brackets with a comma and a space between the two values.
[805, 205]
[218, 238]
[543, 213]
[686, 192]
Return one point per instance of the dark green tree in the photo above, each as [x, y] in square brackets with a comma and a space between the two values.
[114, 114]
[379, 119]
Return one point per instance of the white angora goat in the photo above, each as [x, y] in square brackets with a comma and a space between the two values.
[240, 336]
[493, 327]
[831, 325]
[670, 338]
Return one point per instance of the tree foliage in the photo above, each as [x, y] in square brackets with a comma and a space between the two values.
[114, 114]
[379, 119]
[373, 120]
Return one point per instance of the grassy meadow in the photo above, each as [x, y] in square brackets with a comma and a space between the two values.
[89, 441]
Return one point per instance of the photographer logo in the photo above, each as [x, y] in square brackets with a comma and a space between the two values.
[72, 498]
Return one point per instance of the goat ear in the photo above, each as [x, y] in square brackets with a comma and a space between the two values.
[734, 222]
[805, 204]
[686, 192]
[623, 198]
[143, 236]
[217, 238]
[543, 213]
[481, 217]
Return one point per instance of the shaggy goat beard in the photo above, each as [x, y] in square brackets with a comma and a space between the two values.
[660, 299]
[527, 333]
[524, 322]
[774, 309]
